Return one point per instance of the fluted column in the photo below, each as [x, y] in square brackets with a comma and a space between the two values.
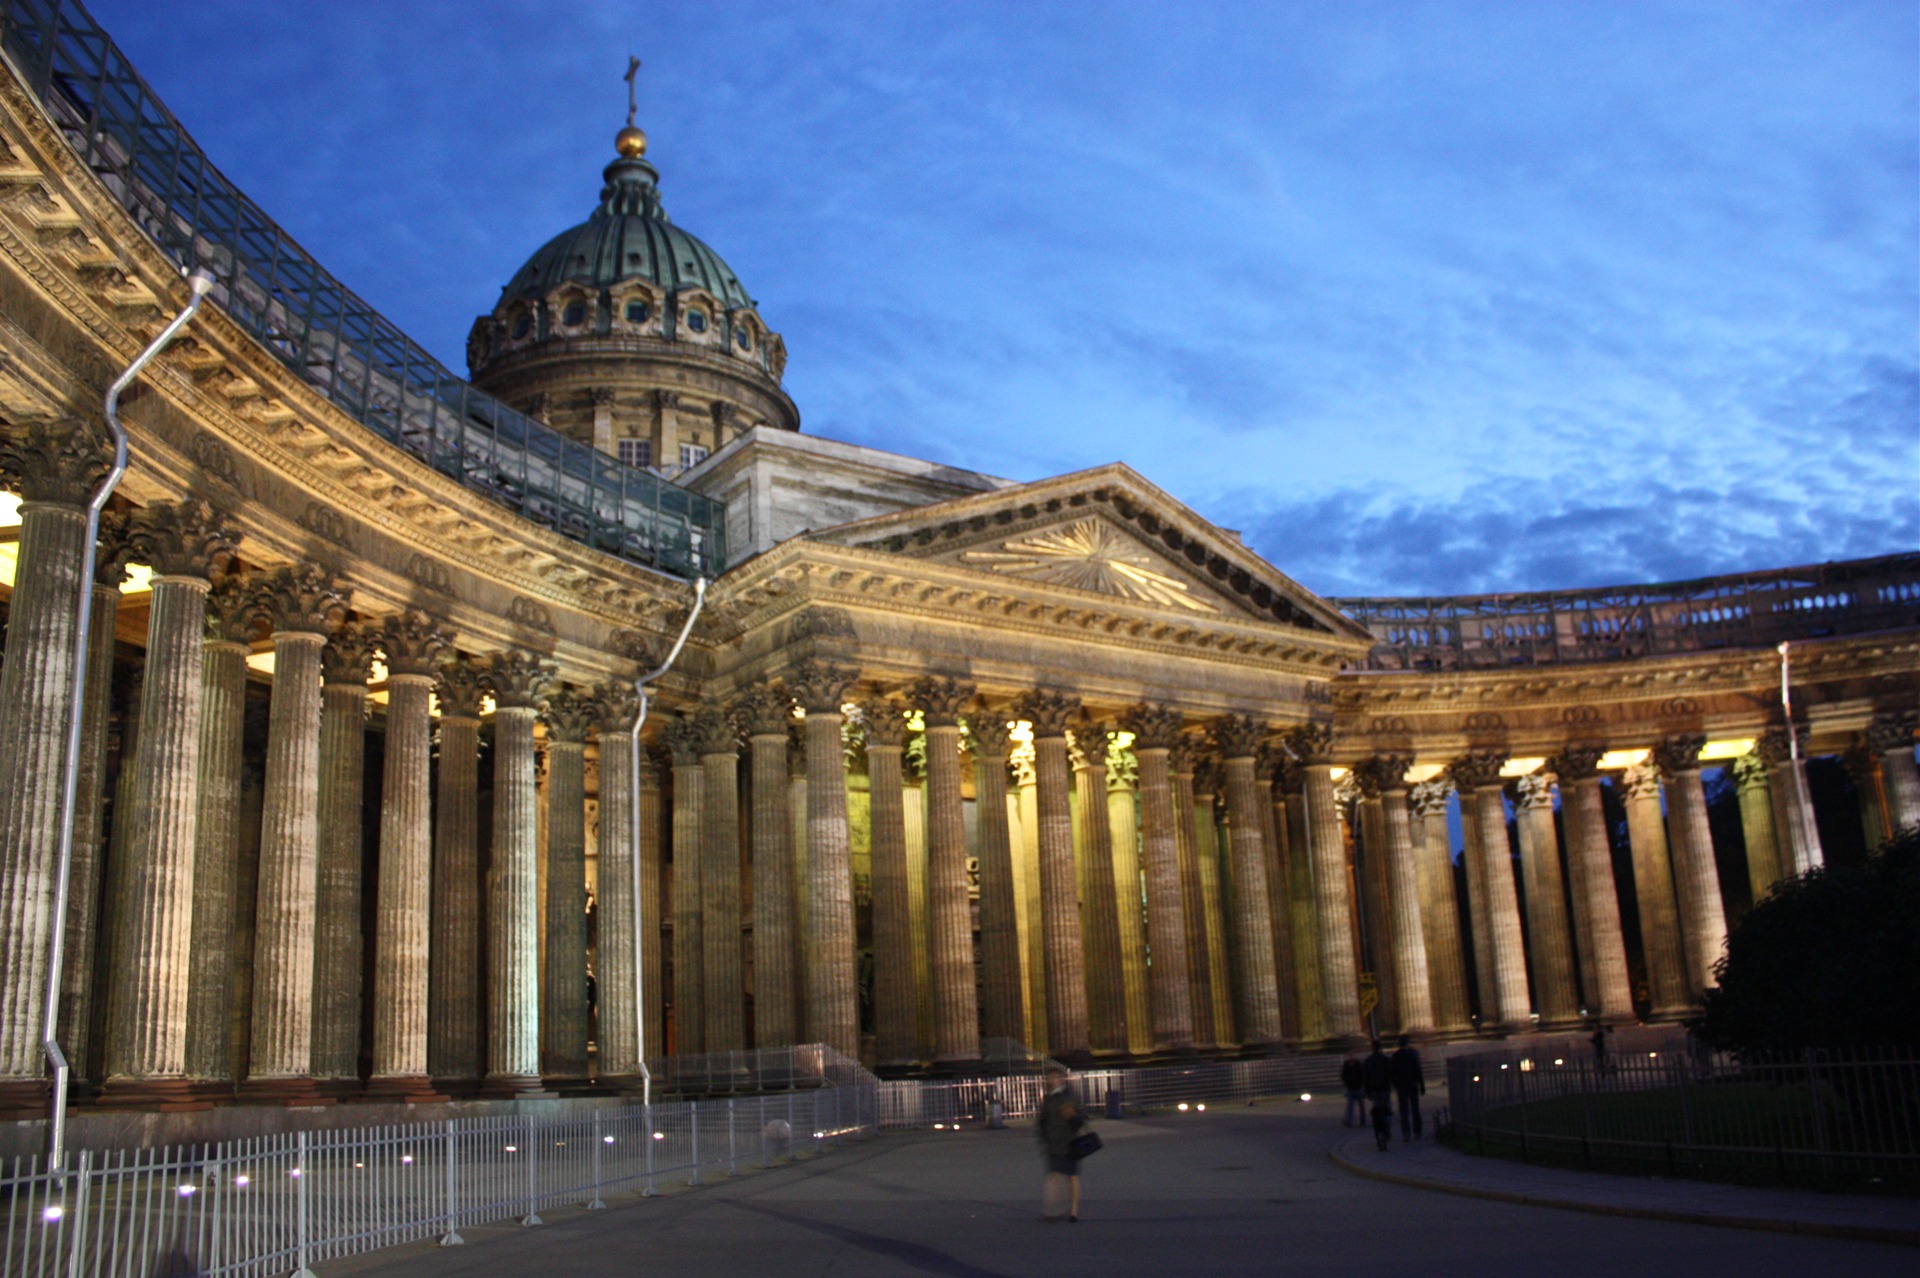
[338, 939]
[1794, 825]
[146, 1047]
[1863, 769]
[1703, 918]
[453, 991]
[1205, 817]
[831, 981]
[1757, 827]
[1479, 775]
[519, 683]
[1256, 974]
[1890, 737]
[1370, 879]
[1595, 899]
[895, 1010]
[1066, 984]
[54, 466]
[1653, 888]
[1406, 931]
[797, 849]
[304, 604]
[1548, 929]
[720, 954]
[1182, 759]
[1479, 929]
[1439, 907]
[1002, 998]
[689, 959]
[956, 1012]
[1274, 837]
[1155, 730]
[1333, 903]
[563, 1004]
[1296, 874]
[769, 713]
[1099, 908]
[614, 707]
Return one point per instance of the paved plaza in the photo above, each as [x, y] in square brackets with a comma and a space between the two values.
[1238, 1191]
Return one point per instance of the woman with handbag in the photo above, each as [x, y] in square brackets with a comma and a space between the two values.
[1065, 1139]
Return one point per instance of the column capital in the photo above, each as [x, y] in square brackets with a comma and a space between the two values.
[518, 680]
[1535, 791]
[615, 704]
[1312, 743]
[767, 709]
[989, 734]
[1477, 771]
[115, 550]
[1773, 747]
[1290, 775]
[302, 598]
[1641, 781]
[235, 612]
[885, 722]
[821, 686]
[569, 716]
[59, 461]
[1892, 730]
[1750, 772]
[1087, 745]
[183, 538]
[1381, 773]
[463, 683]
[683, 741]
[1577, 762]
[1237, 736]
[1183, 756]
[715, 732]
[796, 750]
[1153, 727]
[941, 701]
[1429, 798]
[1048, 712]
[413, 643]
[348, 656]
[1679, 753]
[1861, 761]
[1206, 773]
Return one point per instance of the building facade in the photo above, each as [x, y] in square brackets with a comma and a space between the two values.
[947, 760]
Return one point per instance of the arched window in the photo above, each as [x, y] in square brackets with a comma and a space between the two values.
[742, 338]
[638, 311]
[575, 314]
[697, 321]
[522, 325]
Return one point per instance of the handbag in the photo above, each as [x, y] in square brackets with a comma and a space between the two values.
[1087, 1142]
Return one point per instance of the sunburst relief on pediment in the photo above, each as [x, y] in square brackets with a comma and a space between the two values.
[1091, 555]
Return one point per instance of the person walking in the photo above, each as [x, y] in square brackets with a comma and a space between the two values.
[1409, 1085]
[1376, 1075]
[1354, 1081]
[1061, 1119]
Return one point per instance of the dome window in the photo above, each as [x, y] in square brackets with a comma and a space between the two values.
[697, 321]
[522, 325]
[743, 339]
[575, 314]
[637, 312]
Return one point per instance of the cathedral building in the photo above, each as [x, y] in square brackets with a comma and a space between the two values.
[947, 763]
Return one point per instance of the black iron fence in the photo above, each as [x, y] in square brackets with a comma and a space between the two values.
[1791, 1115]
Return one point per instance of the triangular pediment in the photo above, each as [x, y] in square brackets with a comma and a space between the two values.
[1104, 532]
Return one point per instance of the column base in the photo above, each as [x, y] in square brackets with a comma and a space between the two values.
[294, 1093]
[513, 1087]
[457, 1088]
[341, 1089]
[411, 1089]
[25, 1098]
[215, 1091]
[158, 1095]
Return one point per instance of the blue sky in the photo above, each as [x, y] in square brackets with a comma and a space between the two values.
[1420, 297]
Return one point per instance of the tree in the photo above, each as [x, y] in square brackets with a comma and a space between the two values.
[1829, 959]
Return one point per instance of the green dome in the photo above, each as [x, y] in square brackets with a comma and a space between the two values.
[628, 235]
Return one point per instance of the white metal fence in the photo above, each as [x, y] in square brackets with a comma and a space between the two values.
[280, 1204]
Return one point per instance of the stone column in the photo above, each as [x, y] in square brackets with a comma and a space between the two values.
[1596, 899]
[1256, 974]
[1155, 730]
[1205, 817]
[831, 981]
[615, 707]
[1066, 984]
[413, 645]
[55, 466]
[1703, 919]
[1439, 907]
[453, 991]
[720, 954]
[304, 604]
[1333, 903]
[563, 1004]
[895, 1010]
[1890, 737]
[1296, 873]
[1273, 841]
[89, 808]
[1863, 769]
[1653, 886]
[1478, 928]
[689, 958]
[1099, 907]
[338, 938]
[1794, 826]
[769, 713]
[1757, 828]
[797, 846]
[1406, 932]
[1182, 758]
[146, 1047]
[956, 1012]
[1479, 774]
[1548, 928]
[1002, 998]
[1370, 878]
[656, 762]
[519, 683]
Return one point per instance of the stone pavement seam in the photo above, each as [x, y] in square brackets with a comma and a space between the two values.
[1865, 1233]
